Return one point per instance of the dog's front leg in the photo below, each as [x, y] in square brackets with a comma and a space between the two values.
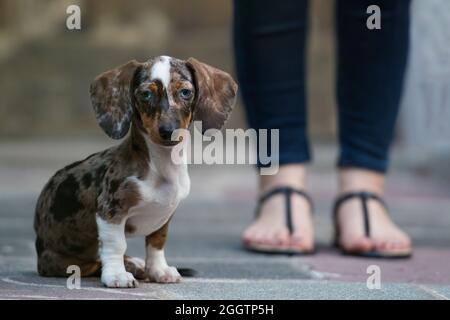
[112, 250]
[156, 266]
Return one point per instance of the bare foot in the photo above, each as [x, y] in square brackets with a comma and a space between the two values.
[385, 236]
[269, 228]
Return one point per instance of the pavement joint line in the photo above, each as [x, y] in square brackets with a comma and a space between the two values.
[218, 280]
[26, 296]
[244, 280]
[109, 290]
[433, 292]
[233, 260]
[320, 275]
[303, 267]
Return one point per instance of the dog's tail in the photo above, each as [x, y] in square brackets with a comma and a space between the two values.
[187, 272]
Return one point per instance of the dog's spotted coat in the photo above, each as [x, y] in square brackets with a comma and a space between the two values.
[87, 209]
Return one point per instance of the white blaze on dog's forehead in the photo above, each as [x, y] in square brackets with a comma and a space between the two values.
[161, 70]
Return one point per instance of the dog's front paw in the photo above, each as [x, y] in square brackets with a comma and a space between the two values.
[119, 280]
[164, 274]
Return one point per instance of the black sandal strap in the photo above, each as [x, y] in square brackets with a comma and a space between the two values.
[287, 191]
[364, 196]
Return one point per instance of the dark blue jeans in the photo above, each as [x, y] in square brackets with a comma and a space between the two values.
[269, 42]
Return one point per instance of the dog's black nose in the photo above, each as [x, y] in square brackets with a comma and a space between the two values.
[165, 132]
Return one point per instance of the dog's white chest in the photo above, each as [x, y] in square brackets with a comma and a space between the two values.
[159, 199]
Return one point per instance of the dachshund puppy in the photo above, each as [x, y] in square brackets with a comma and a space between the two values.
[87, 209]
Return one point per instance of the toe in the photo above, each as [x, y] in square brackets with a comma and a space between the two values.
[400, 245]
[405, 241]
[359, 244]
[246, 238]
[301, 242]
[269, 238]
[390, 245]
[382, 245]
[298, 241]
[282, 238]
[258, 237]
[247, 235]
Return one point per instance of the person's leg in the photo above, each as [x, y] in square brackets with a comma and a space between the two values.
[269, 43]
[371, 67]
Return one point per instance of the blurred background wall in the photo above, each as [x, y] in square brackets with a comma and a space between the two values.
[45, 69]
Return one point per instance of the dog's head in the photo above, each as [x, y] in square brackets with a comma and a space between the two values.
[160, 96]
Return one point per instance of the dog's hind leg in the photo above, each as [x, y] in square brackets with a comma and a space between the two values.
[136, 266]
[53, 264]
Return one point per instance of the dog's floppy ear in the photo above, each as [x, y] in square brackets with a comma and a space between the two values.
[111, 99]
[215, 94]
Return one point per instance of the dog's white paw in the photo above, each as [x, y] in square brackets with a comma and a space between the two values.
[164, 274]
[119, 280]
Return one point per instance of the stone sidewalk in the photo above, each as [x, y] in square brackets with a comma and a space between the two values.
[205, 234]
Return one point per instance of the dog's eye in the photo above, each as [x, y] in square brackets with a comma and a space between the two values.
[146, 95]
[185, 93]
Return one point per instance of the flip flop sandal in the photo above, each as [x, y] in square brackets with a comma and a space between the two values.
[365, 197]
[273, 249]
